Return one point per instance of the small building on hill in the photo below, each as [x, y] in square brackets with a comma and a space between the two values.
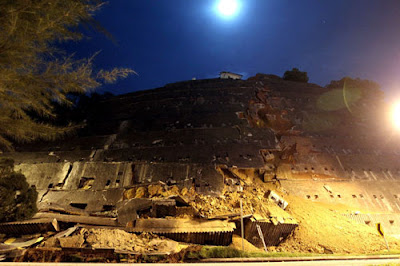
[229, 75]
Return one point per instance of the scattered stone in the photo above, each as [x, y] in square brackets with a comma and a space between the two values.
[129, 193]
[140, 192]
[75, 241]
[154, 190]
[184, 191]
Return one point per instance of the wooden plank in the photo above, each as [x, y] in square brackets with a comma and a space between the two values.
[78, 219]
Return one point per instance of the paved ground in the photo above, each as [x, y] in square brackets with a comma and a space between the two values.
[291, 263]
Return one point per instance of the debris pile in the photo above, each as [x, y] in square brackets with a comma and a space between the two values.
[323, 229]
[158, 190]
[197, 231]
[253, 202]
[154, 214]
[101, 238]
[254, 193]
[237, 244]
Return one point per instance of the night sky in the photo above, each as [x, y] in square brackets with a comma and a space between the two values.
[167, 41]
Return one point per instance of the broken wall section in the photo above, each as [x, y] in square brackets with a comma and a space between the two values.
[86, 187]
[45, 175]
[205, 178]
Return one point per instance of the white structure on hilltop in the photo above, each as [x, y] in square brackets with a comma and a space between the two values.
[229, 75]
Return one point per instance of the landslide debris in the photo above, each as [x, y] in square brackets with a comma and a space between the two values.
[253, 195]
[116, 239]
[248, 247]
[323, 229]
[158, 190]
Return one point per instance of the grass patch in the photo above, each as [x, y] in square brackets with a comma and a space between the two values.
[386, 264]
[228, 252]
[384, 252]
[208, 252]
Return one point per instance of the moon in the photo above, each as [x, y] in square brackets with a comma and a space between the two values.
[228, 8]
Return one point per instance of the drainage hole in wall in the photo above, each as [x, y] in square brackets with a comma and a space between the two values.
[107, 208]
[81, 206]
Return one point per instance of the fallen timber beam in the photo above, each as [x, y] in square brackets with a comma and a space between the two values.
[78, 219]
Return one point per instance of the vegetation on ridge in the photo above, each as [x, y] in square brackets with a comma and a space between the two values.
[295, 75]
[36, 72]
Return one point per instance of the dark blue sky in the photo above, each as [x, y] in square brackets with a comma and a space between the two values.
[173, 40]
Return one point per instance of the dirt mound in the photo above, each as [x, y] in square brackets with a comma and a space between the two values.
[116, 239]
[323, 229]
[248, 247]
[253, 195]
[253, 199]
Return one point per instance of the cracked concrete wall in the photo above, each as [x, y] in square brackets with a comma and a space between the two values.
[67, 176]
[109, 181]
[181, 131]
[205, 178]
[106, 175]
[95, 199]
[57, 183]
[366, 196]
[46, 175]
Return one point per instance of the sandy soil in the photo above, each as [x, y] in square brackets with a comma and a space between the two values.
[116, 239]
[248, 247]
[323, 229]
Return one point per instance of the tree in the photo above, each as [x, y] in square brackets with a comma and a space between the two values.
[17, 198]
[295, 75]
[367, 87]
[35, 72]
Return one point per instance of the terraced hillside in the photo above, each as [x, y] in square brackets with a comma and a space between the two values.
[210, 136]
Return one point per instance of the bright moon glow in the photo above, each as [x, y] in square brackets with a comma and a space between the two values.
[227, 8]
[396, 115]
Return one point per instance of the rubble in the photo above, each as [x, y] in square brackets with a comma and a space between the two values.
[237, 244]
[274, 197]
[312, 233]
[323, 229]
[216, 143]
[31, 226]
[197, 231]
[273, 230]
[103, 238]
[254, 194]
[77, 219]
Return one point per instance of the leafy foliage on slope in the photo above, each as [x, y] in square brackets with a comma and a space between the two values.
[36, 72]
